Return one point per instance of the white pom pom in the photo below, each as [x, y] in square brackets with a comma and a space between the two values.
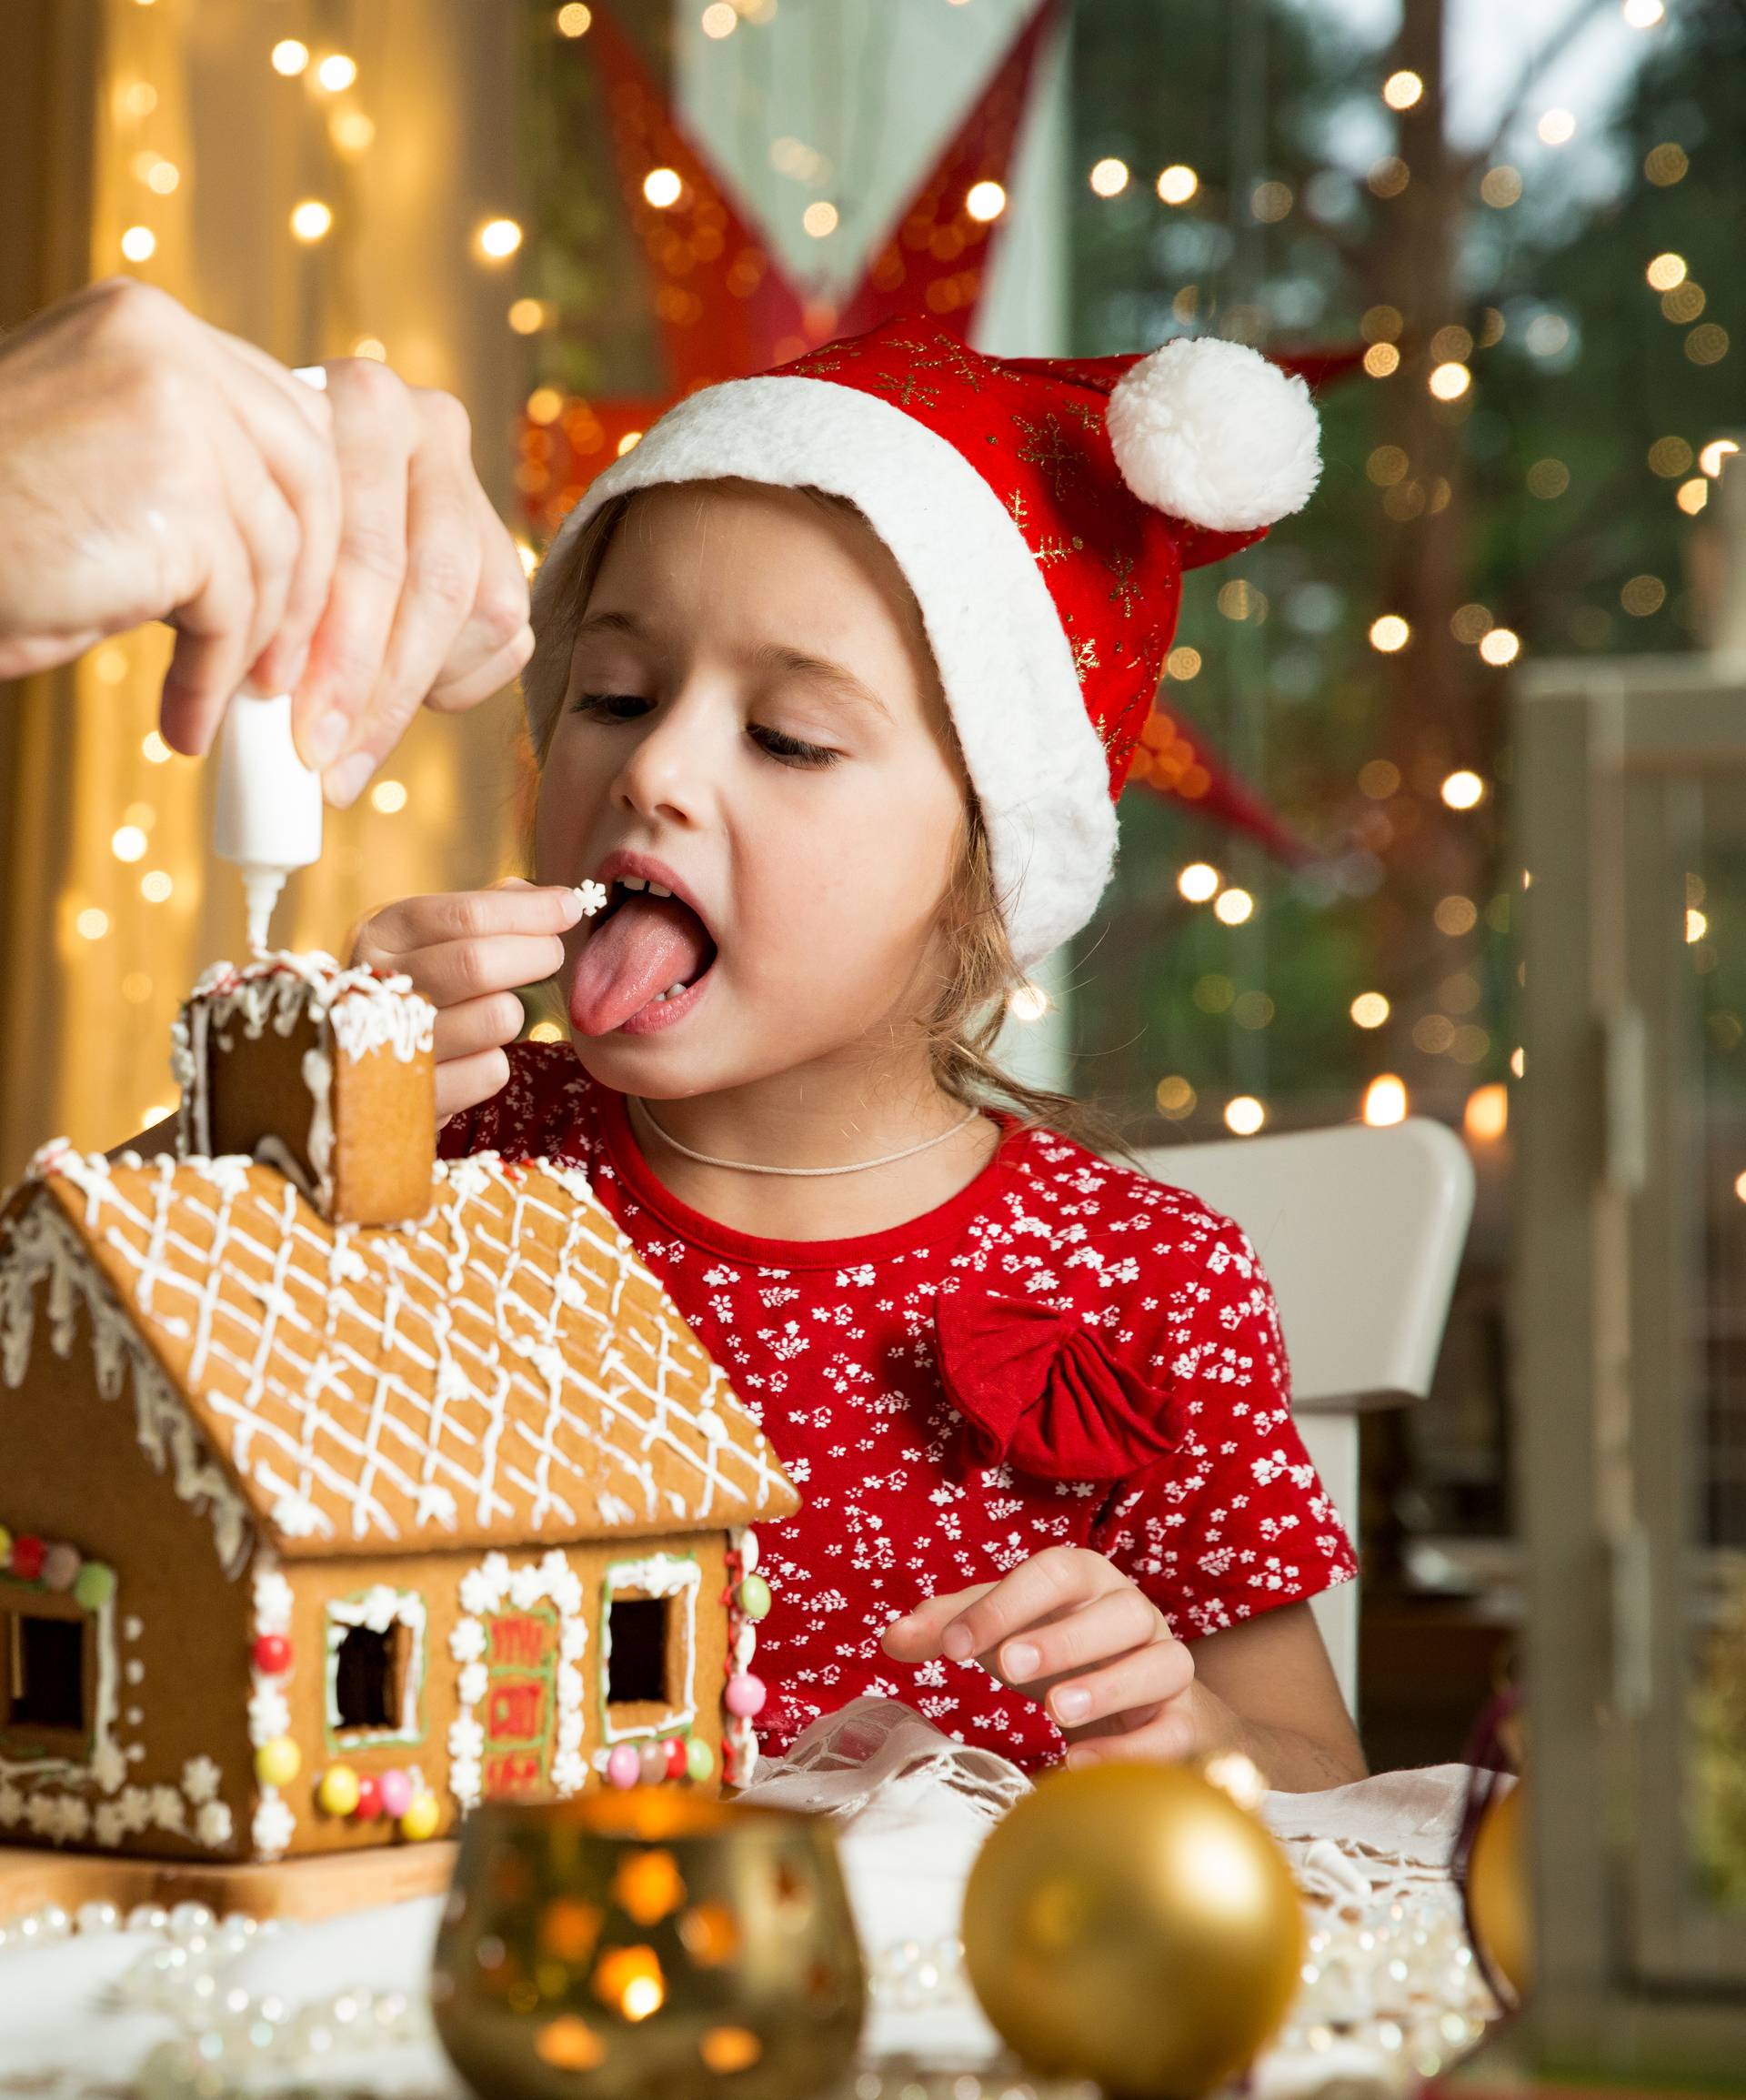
[1212, 433]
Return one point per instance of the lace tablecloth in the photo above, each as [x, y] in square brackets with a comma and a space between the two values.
[186, 2006]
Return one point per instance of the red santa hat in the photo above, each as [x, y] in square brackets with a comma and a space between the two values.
[1043, 510]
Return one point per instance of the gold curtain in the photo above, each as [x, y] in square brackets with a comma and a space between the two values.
[165, 139]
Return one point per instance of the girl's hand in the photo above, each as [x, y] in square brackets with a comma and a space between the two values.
[468, 953]
[1069, 1629]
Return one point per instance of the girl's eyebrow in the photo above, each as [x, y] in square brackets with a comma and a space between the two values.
[767, 657]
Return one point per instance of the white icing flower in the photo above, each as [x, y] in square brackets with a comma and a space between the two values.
[201, 1780]
[569, 1772]
[527, 1587]
[39, 1814]
[273, 1602]
[435, 1505]
[464, 1778]
[72, 1819]
[467, 1643]
[135, 1808]
[474, 1680]
[108, 1766]
[272, 1827]
[573, 1638]
[296, 1517]
[212, 1826]
[108, 1825]
[169, 1810]
[465, 1741]
[570, 1688]
[268, 1716]
[11, 1802]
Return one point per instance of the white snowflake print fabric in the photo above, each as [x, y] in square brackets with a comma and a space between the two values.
[1066, 1353]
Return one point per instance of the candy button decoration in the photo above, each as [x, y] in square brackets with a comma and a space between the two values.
[754, 1597]
[624, 1765]
[700, 1759]
[395, 1789]
[272, 1653]
[368, 1804]
[278, 1762]
[338, 1791]
[27, 1555]
[652, 1758]
[675, 1757]
[61, 1565]
[745, 1696]
[5, 1547]
[423, 1813]
[96, 1586]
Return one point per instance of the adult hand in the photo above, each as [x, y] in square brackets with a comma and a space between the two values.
[336, 544]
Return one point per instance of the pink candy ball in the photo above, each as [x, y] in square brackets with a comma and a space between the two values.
[624, 1765]
[745, 1696]
[60, 1567]
[394, 1792]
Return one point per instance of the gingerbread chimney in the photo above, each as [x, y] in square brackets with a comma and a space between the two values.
[324, 1072]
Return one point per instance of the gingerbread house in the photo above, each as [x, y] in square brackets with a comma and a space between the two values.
[343, 1487]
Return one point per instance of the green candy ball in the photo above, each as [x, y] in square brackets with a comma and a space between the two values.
[699, 1760]
[754, 1596]
[94, 1586]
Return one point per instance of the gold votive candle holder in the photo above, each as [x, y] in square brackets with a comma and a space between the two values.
[647, 1945]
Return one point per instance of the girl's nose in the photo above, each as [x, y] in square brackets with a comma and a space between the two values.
[663, 776]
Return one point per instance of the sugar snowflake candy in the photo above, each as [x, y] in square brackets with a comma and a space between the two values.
[593, 896]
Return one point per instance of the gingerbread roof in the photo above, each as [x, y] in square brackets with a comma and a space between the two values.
[505, 1372]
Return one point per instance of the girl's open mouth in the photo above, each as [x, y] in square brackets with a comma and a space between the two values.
[644, 964]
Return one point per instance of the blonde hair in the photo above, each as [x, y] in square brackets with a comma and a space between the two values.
[965, 1021]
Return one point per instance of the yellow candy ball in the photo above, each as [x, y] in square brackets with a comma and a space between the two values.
[338, 1791]
[278, 1762]
[422, 1817]
[1130, 1923]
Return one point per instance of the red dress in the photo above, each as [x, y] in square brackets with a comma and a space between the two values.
[1064, 1352]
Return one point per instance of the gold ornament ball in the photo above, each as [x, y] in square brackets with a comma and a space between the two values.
[1497, 1891]
[1130, 1922]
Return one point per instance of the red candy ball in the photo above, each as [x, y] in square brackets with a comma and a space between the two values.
[675, 1757]
[27, 1556]
[271, 1655]
[369, 1801]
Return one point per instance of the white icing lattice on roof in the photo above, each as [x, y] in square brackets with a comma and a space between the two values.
[507, 1370]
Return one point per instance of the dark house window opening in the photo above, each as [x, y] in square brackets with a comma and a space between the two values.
[369, 1677]
[44, 1660]
[636, 1628]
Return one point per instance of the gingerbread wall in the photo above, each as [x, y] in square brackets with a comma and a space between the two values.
[488, 1714]
[168, 1773]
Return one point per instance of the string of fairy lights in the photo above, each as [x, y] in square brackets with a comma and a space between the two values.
[1448, 375]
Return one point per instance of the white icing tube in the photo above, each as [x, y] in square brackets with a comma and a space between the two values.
[267, 817]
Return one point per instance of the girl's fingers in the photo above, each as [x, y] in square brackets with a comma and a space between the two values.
[373, 438]
[477, 1024]
[1045, 1586]
[1110, 1624]
[914, 1637]
[1143, 1678]
[456, 971]
[1166, 1737]
[417, 923]
[470, 1081]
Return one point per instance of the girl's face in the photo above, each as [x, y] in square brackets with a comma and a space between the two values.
[752, 721]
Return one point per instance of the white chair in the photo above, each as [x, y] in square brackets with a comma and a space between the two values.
[1360, 1232]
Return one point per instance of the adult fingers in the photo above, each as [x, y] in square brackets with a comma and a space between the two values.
[469, 1082]
[477, 1024]
[497, 640]
[1110, 1624]
[373, 439]
[455, 971]
[443, 560]
[1042, 1587]
[418, 922]
[290, 424]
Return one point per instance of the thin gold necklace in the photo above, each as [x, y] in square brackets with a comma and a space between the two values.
[857, 1167]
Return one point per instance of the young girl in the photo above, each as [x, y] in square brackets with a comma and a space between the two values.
[837, 672]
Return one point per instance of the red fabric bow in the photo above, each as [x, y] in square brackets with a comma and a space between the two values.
[1039, 1390]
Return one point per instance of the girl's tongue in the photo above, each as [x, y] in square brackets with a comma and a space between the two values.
[647, 945]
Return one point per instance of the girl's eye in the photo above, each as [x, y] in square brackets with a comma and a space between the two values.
[610, 706]
[789, 750]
